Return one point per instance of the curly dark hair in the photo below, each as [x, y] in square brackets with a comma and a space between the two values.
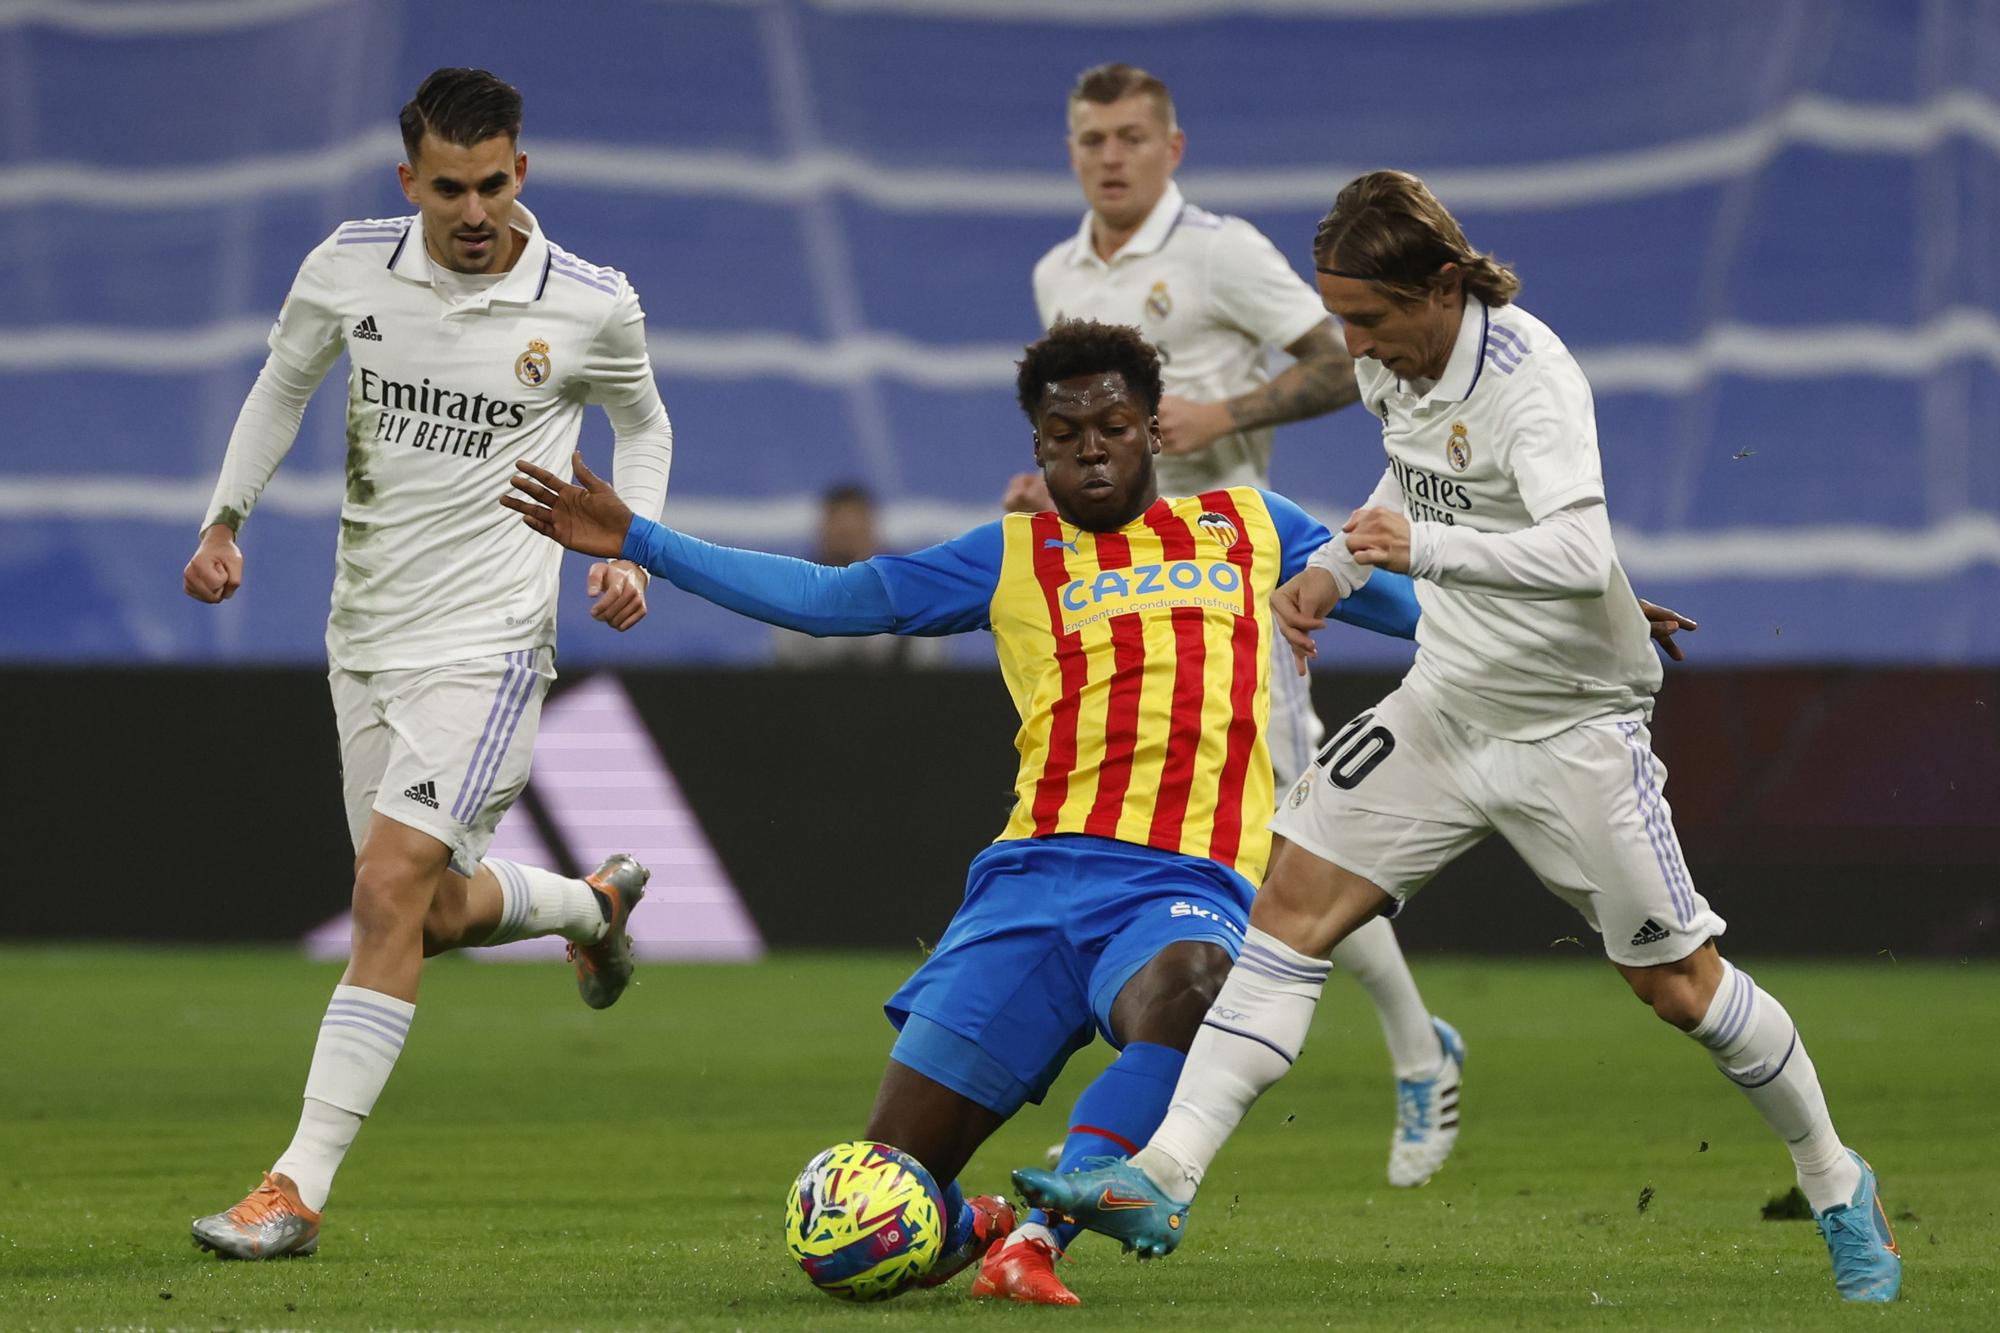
[462, 107]
[1085, 347]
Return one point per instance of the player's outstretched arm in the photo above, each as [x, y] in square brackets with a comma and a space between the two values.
[943, 589]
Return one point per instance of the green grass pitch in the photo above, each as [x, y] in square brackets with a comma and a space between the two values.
[534, 1165]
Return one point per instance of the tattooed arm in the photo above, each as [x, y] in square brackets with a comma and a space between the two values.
[1320, 380]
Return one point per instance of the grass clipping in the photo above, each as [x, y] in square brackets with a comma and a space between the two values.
[1791, 1206]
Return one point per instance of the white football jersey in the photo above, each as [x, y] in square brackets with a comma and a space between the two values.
[1211, 293]
[1506, 437]
[448, 386]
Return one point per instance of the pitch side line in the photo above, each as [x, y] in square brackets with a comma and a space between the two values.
[1751, 351]
[1853, 128]
[1916, 555]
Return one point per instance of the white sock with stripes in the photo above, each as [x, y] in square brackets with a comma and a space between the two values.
[1756, 1045]
[359, 1040]
[535, 902]
[1250, 1037]
[1372, 957]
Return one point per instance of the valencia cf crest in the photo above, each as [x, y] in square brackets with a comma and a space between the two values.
[1158, 303]
[532, 366]
[1219, 527]
[1458, 449]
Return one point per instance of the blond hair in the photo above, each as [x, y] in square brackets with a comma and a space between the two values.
[1388, 227]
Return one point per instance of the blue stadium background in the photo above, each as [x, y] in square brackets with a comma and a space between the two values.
[1769, 232]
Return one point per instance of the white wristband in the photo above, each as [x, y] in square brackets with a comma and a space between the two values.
[1348, 573]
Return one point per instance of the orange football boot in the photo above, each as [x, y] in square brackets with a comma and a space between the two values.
[270, 1223]
[1024, 1271]
[992, 1220]
[604, 969]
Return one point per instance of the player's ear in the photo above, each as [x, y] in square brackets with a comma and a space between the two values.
[406, 177]
[520, 170]
[1448, 285]
[1153, 432]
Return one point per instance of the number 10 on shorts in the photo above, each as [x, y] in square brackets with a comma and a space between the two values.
[1354, 752]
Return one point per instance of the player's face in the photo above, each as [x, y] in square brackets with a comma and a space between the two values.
[467, 198]
[1413, 339]
[1095, 441]
[1123, 155]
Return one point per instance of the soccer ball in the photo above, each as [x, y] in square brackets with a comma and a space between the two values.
[864, 1221]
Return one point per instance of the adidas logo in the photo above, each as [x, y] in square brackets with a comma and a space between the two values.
[366, 329]
[423, 793]
[1650, 933]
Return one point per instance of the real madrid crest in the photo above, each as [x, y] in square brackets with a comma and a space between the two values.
[1301, 791]
[1219, 527]
[1158, 303]
[532, 366]
[1459, 449]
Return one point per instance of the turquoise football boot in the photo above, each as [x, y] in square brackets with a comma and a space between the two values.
[1427, 1115]
[1114, 1198]
[1867, 1266]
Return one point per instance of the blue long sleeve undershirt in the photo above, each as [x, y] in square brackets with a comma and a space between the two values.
[777, 589]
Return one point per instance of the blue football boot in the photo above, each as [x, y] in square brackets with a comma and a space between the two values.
[1113, 1198]
[1867, 1266]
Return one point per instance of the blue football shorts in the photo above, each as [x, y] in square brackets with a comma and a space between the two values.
[1050, 931]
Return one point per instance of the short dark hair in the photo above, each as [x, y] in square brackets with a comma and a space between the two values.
[463, 107]
[1105, 84]
[1085, 347]
[1387, 227]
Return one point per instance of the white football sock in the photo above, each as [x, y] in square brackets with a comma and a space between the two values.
[534, 902]
[1756, 1045]
[1028, 1231]
[359, 1040]
[1250, 1037]
[1372, 957]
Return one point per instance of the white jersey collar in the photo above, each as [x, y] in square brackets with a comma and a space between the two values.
[1468, 356]
[523, 283]
[1152, 233]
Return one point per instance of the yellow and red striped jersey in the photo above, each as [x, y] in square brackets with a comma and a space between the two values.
[1138, 661]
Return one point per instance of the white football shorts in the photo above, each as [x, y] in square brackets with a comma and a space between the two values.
[1403, 789]
[444, 749]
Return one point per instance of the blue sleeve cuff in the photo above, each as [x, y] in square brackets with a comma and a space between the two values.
[1387, 604]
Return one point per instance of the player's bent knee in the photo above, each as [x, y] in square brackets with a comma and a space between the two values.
[1679, 992]
[390, 898]
[1312, 904]
[1674, 995]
